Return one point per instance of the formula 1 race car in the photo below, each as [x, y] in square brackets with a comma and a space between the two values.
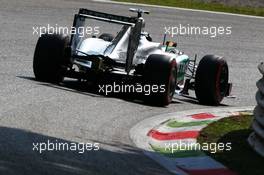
[130, 58]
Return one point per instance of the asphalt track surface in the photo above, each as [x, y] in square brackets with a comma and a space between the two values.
[32, 111]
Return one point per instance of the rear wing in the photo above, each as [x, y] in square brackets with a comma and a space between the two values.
[108, 17]
[136, 23]
[79, 21]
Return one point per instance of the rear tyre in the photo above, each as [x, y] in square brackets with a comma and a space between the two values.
[51, 58]
[160, 71]
[107, 37]
[211, 80]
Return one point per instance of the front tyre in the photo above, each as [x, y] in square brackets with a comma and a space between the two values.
[161, 71]
[50, 57]
[211, 80]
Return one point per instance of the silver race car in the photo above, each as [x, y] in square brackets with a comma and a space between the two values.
[131, 59]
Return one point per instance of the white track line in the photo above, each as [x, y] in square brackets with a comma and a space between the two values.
[178, 8]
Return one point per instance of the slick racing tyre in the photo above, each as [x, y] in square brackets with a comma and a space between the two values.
[211, 80]
[51, 58]
[160, 71]
[107, 37]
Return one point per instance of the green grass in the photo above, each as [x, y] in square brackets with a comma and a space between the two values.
[235, 130]
[176, 124]
[195, 4]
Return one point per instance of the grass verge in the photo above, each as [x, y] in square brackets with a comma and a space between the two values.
[241, 158]
[194, 4]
